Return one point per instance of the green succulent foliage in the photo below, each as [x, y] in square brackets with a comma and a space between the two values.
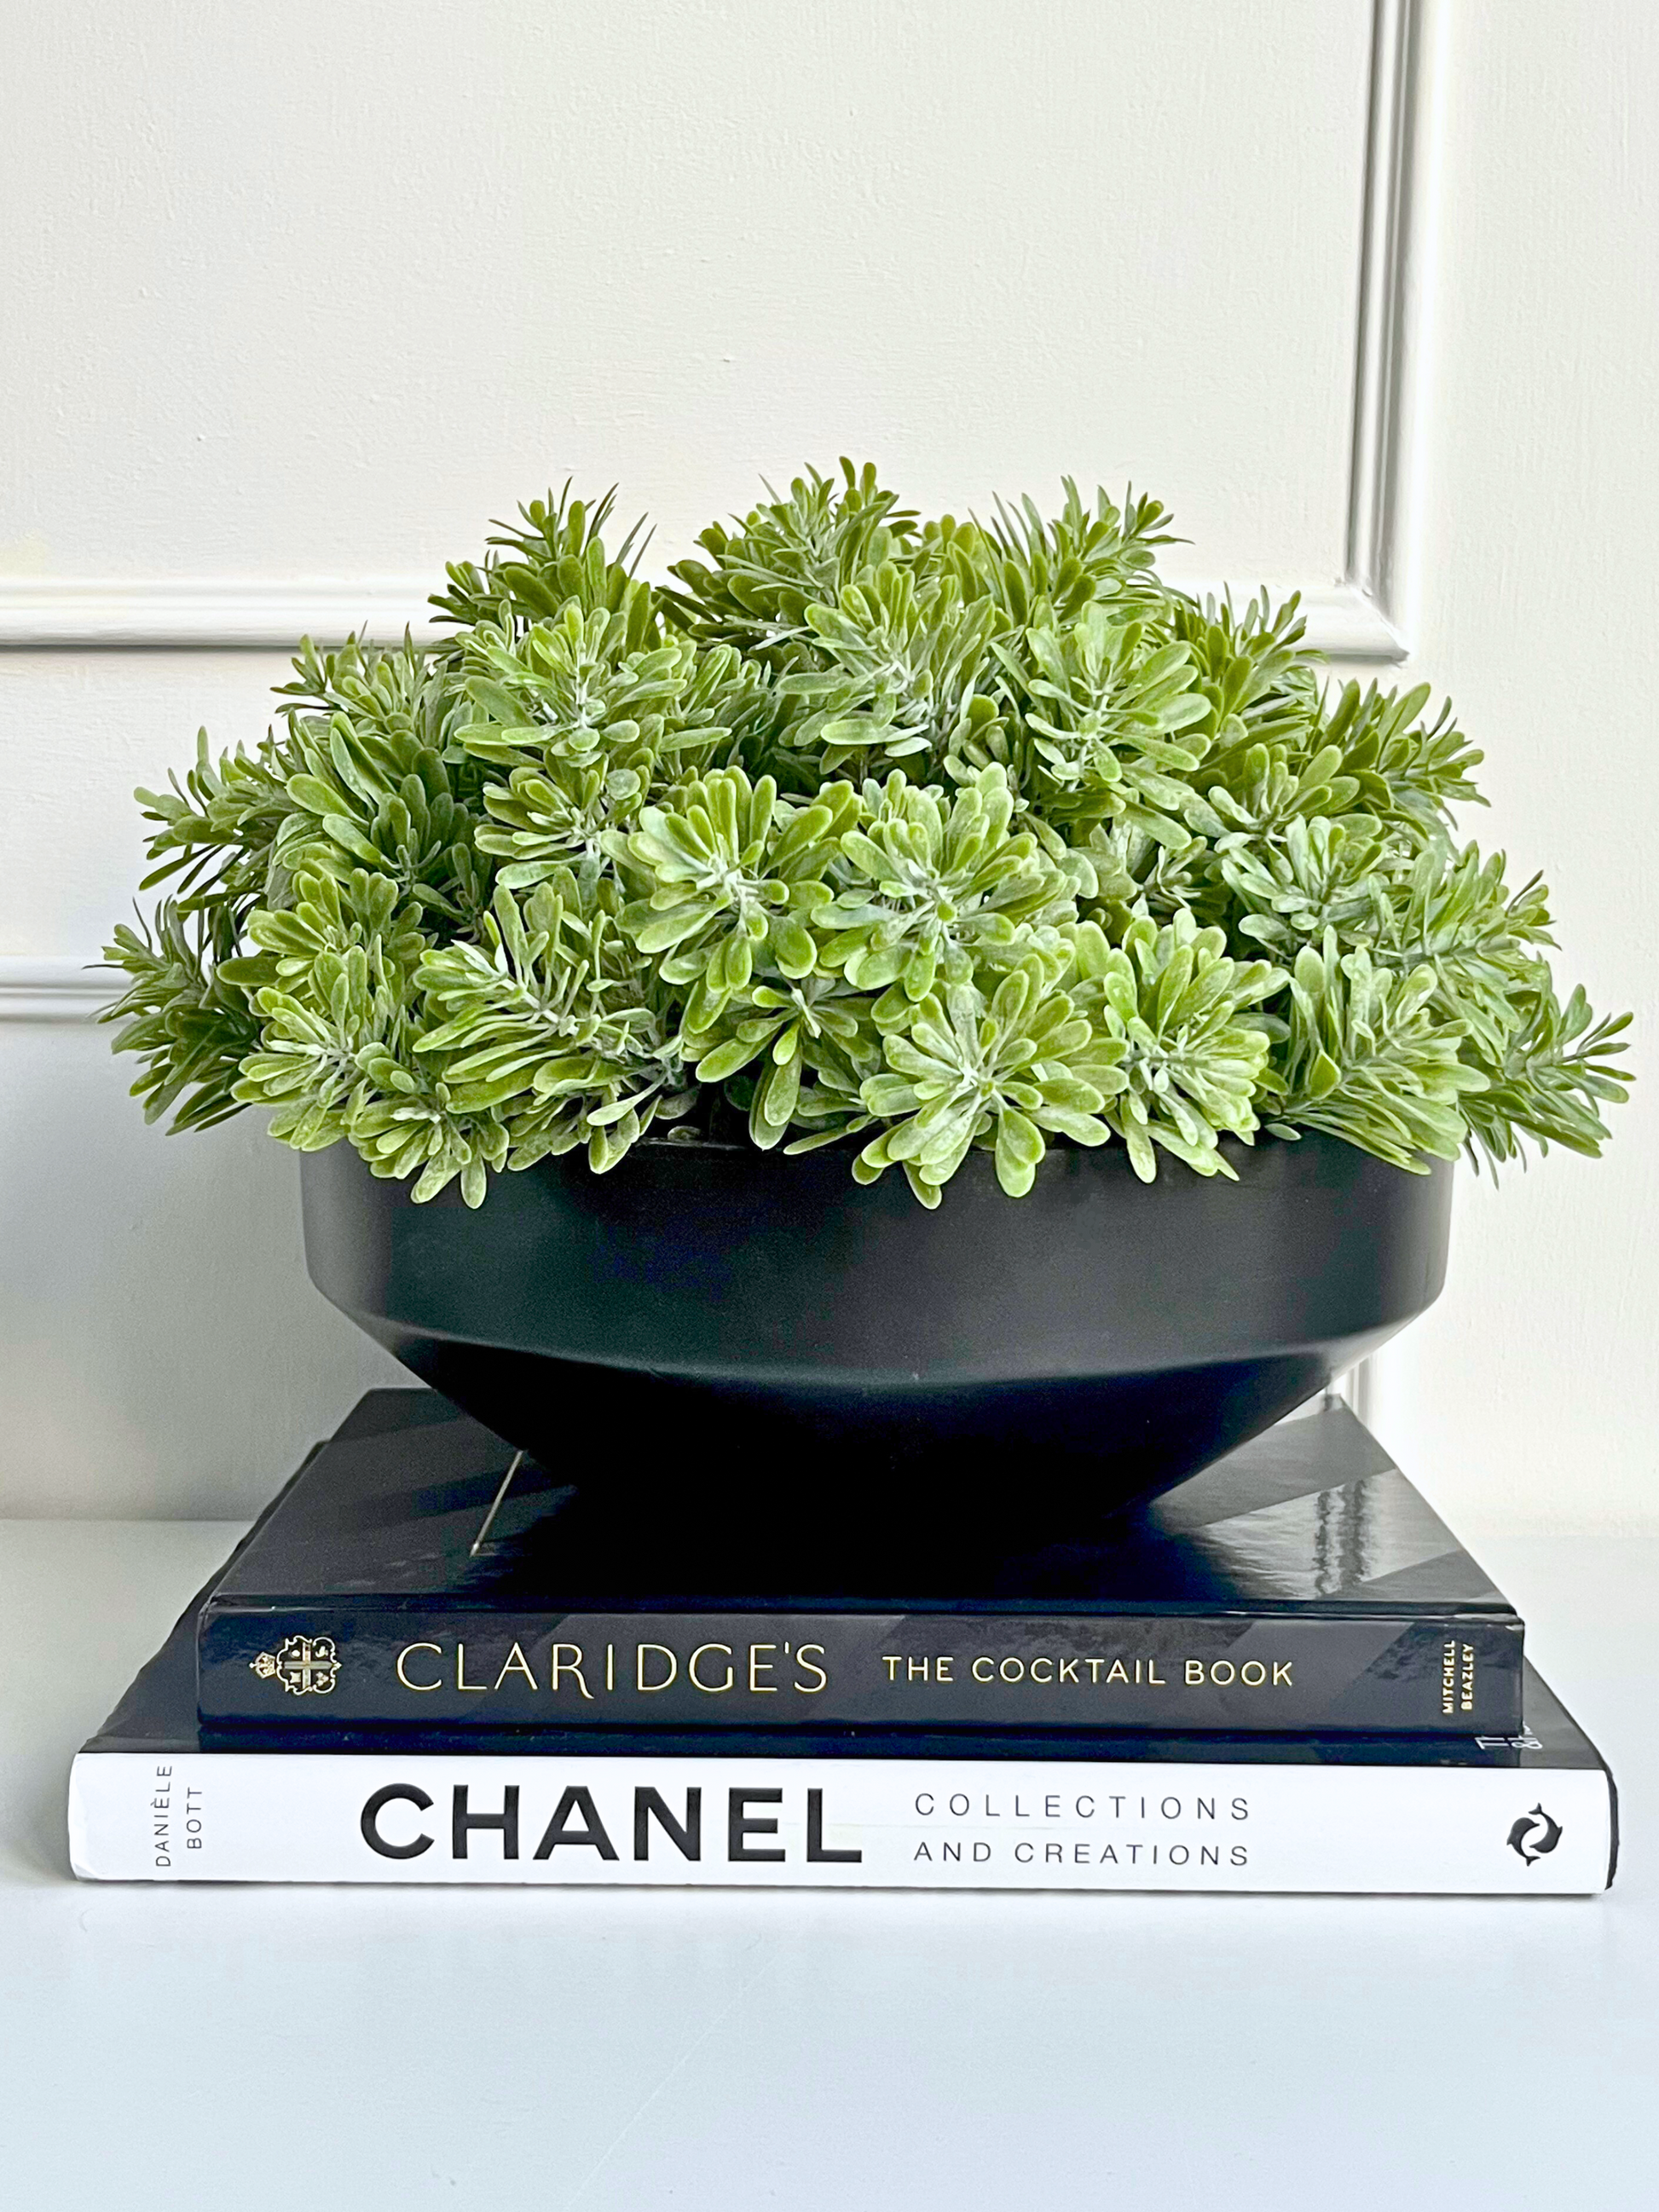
[554, 1028]
[310, 1066]
[1193, 1051]
[1367, 1057]
[554, 557]
[998, 1070]
[735, 876]
[785, 557]
[790, 1030]
[216, 831]
[1111, 709]
[904, 672]
[189, 1023]
[1558, 1062]
[1257, 683]
[938, 881]
[920, 837]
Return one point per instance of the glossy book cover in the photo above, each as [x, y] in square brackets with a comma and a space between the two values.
[1302, 1582]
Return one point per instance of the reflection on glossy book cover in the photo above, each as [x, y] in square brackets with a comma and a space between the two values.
[1302, 1582]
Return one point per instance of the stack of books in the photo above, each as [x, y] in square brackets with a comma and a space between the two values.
[1284, 1676]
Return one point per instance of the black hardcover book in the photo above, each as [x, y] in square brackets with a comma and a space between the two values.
[1301, 1583]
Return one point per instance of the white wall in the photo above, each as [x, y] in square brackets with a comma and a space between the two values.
[305, 293]
[312, 288]
[1533, 1386]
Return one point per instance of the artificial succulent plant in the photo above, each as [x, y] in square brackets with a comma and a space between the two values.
[910, 836]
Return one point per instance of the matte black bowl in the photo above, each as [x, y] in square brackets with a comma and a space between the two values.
[740, 1334]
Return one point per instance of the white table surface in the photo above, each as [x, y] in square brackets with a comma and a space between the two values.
[522, 2049]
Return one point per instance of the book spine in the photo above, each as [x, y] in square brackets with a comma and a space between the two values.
[875, 1823]
[376, 1666]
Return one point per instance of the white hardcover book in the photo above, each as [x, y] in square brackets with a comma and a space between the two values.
[840, 1822]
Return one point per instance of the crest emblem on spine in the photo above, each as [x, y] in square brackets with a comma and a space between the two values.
[307, 1665]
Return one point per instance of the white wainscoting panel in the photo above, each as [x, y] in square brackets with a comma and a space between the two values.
[310, 291]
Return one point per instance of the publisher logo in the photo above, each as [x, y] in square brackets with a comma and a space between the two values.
[1534, 1835]
[307, 1665]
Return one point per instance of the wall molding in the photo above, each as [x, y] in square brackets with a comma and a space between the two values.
[1362, 616]
[1396, 276]
[54, 990]
[202, 615]
[209, 614]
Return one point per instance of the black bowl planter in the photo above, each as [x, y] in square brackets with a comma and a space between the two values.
[752, 1340]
